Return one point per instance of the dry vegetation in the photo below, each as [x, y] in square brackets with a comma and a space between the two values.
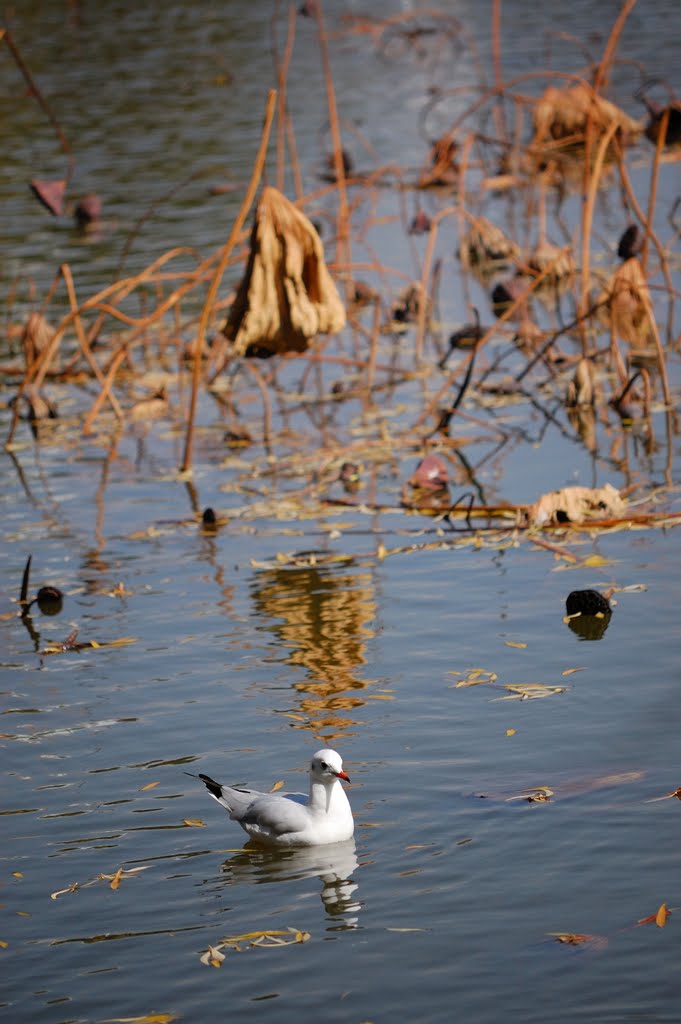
[604, 362]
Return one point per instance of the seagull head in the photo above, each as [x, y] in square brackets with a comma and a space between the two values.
[327, 766]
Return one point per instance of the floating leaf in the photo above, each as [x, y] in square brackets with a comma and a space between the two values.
[534, 795]
[510, 732]
[193, 823]
[530, 691]
[569, 671]
[676, 793]
[514, 643]
[17, 874]
[116, 880]
[3, 944]
[406, 929]
[60, 892]
[662, 915]
[474, 677]
[577, 939]
[213, 957]
[277, 785]
[149, 785]
[148, 1018]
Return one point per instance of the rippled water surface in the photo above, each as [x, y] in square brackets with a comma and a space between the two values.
[212, 654]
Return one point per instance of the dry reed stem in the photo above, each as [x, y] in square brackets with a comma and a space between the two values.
[506, 315]
[654, 175]
[498, 75]
[425, 274]
[82, 339]
[114, 366]
[611, 45]
[588, 203]
[282, 76]
[343, 254]
[219, 270]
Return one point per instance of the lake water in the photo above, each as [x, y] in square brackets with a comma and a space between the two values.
[242, 662]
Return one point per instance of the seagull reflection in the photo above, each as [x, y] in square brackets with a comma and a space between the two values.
[334, 864]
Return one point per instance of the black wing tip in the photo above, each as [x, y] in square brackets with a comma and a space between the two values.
[213, 787]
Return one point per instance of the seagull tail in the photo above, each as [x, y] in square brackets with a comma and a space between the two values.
[213, 787]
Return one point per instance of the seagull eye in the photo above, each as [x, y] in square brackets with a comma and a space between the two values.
[324, 766]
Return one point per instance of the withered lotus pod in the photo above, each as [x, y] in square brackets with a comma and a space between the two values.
[287, 295]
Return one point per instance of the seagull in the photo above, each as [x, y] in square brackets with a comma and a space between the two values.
[293, 819]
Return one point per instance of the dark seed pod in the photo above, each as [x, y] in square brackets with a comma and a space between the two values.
[587, 602]
[631, 243]
[209, 518]
[49, 600]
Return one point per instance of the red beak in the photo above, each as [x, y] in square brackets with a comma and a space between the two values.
[342, 775]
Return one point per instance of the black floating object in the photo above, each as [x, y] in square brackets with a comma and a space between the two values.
[587, 602]
[631, 243]
[209, 518]
[50, 600]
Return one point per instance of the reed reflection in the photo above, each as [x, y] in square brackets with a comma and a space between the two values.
[325, 618]
[335, 865]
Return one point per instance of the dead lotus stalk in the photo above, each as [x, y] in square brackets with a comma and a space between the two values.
[286, 296]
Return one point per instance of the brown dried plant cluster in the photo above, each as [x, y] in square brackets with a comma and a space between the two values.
[290, 296]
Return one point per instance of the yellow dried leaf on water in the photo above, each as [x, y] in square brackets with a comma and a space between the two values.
[474, 677]
[213, 957]
[530, 691]
[569, 671]
[147, 1018]
[578, 939]
[510, 732]
[3, 944]
[193, 823]
[116, 880]
[61, 892]
[514, 643]
[149, 785]
[661, 916]
[277, 785]
[17, 874]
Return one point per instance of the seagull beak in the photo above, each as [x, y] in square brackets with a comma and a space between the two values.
[342, 775]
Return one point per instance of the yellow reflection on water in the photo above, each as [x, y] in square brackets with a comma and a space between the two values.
[325, 616]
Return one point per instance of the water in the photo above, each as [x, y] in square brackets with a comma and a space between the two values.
[242, 665]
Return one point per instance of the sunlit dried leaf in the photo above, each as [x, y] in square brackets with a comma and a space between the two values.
[530, 691]
[474, 677]
[116, 880]
[277, 785]
[3, 944]
[148, 1018]
[534, 795]
[60, 892]
[149, 785]
[17, 874]
[213, 957]
[193, 823]
[510, 732]
[569, 671]
[514, 643]
[666, 796]
[577, 939]
[659, 918]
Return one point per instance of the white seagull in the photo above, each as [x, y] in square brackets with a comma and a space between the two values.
[293, 819]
